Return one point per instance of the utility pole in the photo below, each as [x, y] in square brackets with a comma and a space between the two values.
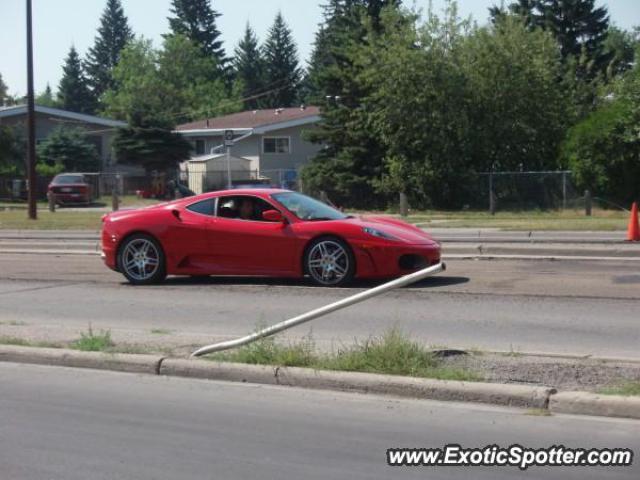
[31, 122]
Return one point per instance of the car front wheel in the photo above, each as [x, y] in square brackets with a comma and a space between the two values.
[330, 262]
[141, 260]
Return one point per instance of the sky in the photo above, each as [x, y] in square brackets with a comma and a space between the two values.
[58, 24]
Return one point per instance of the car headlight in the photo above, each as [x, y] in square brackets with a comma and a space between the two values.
[378, 233]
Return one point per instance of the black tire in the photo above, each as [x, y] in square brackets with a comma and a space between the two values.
[140, 266]
[334, 264]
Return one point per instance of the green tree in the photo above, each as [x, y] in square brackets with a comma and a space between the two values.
[147, 103]
[151, 148]
[3, 91]
[196, 19]
[417, 106]
[45, 98]
[579, 27]
[517, 106]
[13, 149]
[67, 149]
[249, 68]
[73, 92]
[604, 149]
[342, 25]
[350, 165]
[190, 75]
[140, 96]
[620, 46]
[282, 71]
[113, 35]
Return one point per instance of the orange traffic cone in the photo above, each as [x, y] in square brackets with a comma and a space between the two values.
[633, 231]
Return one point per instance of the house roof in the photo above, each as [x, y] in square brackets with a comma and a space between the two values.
[256, 120]
[81, 117]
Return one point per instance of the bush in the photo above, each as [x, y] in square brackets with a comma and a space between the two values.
[602, 156]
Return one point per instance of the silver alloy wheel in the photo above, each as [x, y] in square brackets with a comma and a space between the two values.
[328, 262]
[140, 259]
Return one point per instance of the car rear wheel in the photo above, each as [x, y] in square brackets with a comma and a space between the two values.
[141, 260]
[330, 262]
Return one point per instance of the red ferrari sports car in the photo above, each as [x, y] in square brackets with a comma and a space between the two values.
[261, 232]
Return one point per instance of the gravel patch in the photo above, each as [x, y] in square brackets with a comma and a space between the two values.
[565, 374]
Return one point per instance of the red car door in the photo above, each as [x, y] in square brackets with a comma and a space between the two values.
[185, 239]
[251, 247]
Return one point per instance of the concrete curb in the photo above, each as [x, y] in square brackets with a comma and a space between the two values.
[497, 394]
[575, 258]
[584, 403]
[119, 362]
[523, 396]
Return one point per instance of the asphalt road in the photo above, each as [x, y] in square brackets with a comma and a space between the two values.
[586, 308]
[64, 424]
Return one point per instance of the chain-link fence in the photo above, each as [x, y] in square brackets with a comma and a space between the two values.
[14, 188]
[282, 178]
[548, 190]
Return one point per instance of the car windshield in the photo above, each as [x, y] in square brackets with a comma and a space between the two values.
[307, 208]
[69, 179]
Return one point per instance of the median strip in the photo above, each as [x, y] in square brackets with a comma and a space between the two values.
[538, 398]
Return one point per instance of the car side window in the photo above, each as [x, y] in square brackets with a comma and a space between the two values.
[205, 207]
[243, 207]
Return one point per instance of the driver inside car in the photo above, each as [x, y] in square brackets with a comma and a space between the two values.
[247, 211]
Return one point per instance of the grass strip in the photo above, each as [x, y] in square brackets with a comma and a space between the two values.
[393, 354]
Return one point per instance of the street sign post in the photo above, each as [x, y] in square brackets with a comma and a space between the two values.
[228, 138]
[228, 142]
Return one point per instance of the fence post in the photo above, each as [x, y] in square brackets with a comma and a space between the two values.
[52, 201]
[587, 203]
[115, 201]
[564, 190]
[324, 197]
[404, 204]
[492, 198]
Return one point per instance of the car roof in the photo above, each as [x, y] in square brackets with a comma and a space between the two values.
[260, 192]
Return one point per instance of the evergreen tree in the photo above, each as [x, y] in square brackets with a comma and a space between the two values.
[579, 26]
[67, 148]
[248, 66]
[196, 19]
[73, 92]
[113, 35]
[282, 72]
[352, 160]
[45, 99]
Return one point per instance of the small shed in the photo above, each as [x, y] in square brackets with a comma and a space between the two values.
[210, 172]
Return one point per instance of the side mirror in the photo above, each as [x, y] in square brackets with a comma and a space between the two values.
[176, 213]
[272, 216]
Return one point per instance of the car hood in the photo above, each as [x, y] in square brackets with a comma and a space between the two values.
[401, 230]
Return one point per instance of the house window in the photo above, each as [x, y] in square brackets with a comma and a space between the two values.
[276, 145]
[199, 147]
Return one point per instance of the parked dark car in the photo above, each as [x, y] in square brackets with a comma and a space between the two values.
[70, 189]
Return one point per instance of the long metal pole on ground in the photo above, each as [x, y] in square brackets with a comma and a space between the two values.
[31, 122]
[319, 312]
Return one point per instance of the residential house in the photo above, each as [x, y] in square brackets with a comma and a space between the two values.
[272, 140]
[100, 131]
